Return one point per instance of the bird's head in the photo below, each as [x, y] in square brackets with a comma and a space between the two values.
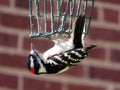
[35, 62]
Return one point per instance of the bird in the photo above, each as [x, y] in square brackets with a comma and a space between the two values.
[63, 55]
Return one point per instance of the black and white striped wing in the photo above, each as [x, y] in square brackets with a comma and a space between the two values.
[69, 58]
[63, 61]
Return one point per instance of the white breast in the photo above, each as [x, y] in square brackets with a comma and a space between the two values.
[59, 47]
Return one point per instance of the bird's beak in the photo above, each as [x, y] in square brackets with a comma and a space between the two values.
[32, 49]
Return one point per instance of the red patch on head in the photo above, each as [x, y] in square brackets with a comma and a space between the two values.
[32, 70]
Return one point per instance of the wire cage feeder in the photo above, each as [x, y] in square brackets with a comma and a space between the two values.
[50, 17]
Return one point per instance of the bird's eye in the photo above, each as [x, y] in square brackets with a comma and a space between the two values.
[34, 58]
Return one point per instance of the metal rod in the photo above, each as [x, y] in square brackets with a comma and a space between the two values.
[84, 12]
[65, 15]
[90, 17]
[45, 16]
[31, 18]
[78, 9]
[85, 6]
[52, 16]
[71, 14]
[59, 15]
[37, 16]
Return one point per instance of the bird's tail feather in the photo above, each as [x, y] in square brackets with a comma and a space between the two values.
[88, 48]
[78, 30]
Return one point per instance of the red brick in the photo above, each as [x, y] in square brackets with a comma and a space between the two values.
[110, 1]
[47, 6]
[15, 21]
[42, 24]
[104, 34]
[98, 53]
[111, 15]
[76, 71]
[7, 81]
[41, 4]
[14, 61]
[22, 3]
[8, 40]
[64, 8]
[34, 25]
[104, 74]
[117, 89]
[34, 84]
[84, 87]
[48, 27]
[40, 44]
[115, 55]
[5, 2]
[94, 14]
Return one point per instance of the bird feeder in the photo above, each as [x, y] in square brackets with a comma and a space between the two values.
[50, 17]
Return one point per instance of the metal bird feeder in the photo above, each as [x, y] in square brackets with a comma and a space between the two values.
[48, 17]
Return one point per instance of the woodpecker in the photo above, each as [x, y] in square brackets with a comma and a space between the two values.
[63, 55]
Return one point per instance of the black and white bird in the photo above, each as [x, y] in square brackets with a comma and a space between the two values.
[63, 55]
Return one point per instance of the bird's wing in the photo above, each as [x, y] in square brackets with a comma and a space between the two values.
[71, 57]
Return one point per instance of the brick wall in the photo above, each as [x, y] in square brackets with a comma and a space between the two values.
[99, 71]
